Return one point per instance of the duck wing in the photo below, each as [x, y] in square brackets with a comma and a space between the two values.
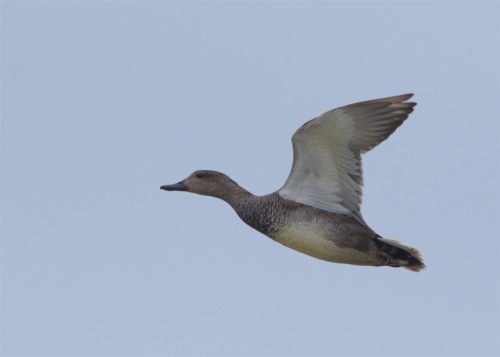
[326, 171]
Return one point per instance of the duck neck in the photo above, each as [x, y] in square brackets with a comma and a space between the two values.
[236, 196]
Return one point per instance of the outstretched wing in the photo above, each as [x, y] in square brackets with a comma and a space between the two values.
[326, 171]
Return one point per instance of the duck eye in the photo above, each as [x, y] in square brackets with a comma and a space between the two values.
[199, 174]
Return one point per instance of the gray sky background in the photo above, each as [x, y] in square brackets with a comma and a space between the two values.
[103, 102]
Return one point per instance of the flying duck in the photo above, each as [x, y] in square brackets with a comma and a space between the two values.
[317, 211]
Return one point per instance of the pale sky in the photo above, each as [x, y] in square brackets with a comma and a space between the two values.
[103, 102]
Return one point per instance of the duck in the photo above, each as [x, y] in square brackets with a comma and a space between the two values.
[318, 209]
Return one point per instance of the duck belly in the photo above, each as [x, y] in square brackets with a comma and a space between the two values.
[320, 243]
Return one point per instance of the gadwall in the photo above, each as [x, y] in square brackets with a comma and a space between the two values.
[317, 211]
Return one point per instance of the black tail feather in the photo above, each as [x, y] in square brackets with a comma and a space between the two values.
[399, 255]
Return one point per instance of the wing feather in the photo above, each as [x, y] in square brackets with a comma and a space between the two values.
[326, 171]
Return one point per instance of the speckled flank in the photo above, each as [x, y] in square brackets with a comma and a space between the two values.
[320, 234]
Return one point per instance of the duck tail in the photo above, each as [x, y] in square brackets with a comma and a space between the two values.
[399, 255]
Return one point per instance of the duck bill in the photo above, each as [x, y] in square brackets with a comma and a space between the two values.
[180, 186]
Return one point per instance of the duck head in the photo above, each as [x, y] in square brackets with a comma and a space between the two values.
[205, 182]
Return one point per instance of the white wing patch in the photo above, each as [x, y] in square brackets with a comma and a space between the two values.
[326, 171]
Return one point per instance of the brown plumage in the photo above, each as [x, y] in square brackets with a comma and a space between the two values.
[317, 211]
